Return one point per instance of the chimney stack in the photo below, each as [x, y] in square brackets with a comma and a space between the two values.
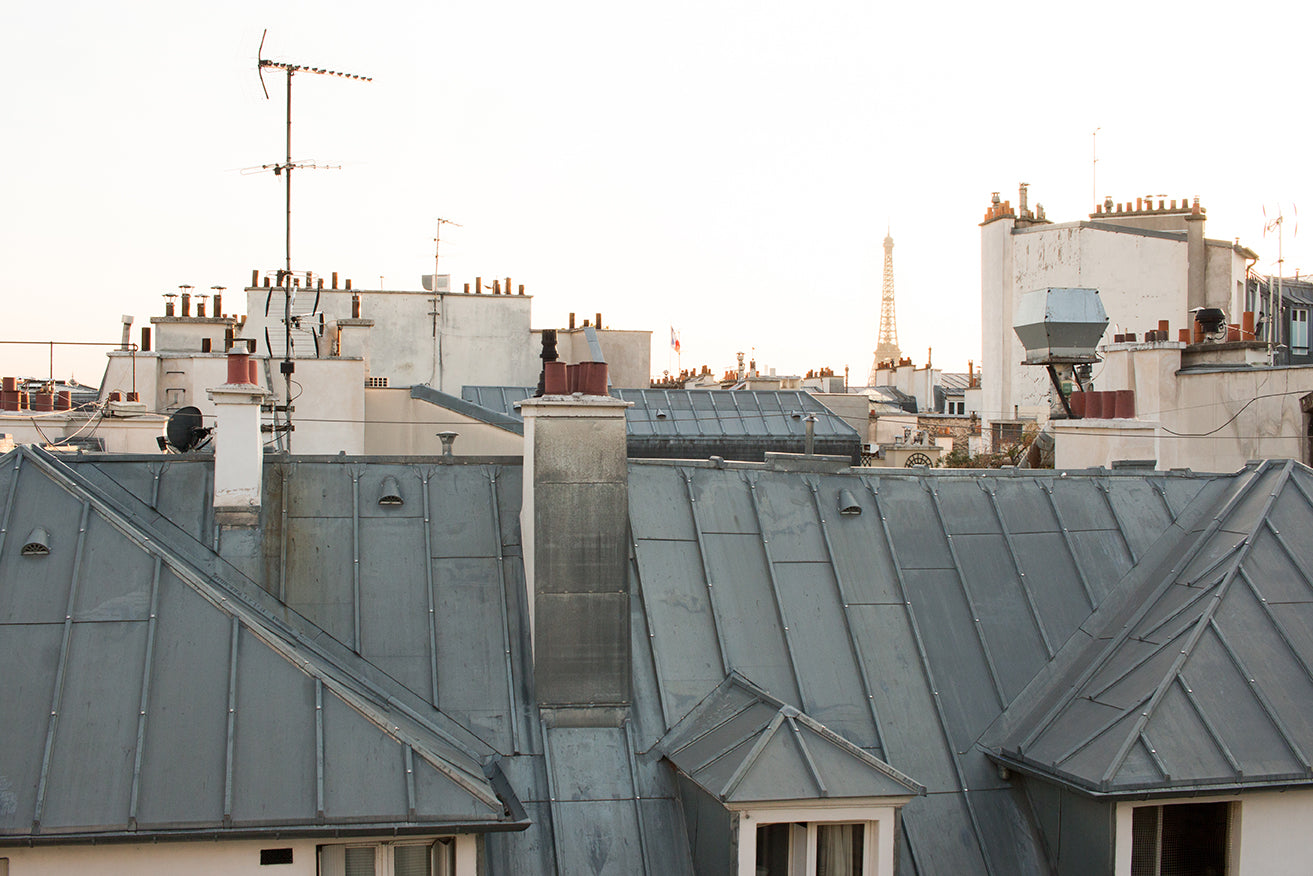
[1196, 254]
[575, 526]
[238, 446]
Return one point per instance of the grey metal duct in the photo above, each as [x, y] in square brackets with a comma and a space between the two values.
[848, 505]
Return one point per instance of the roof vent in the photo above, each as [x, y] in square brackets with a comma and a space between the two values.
[37, 544]
[448, 439]
[848, 505]
[391, 492]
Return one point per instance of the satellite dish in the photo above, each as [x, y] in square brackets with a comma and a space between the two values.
[184, 431]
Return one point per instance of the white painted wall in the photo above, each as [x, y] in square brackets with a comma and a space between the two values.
[173, 334]
[1212, 421]
[473, 338]
[205, 858]
[121, 434]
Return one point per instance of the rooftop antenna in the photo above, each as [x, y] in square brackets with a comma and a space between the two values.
[1094, 165]
[285, 170]
[437, 234]
[1274, 296]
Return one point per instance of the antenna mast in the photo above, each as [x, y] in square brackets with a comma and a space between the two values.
[1094, 165]
[285, 169]
[437, 296]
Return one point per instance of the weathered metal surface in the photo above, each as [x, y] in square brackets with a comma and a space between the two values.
[1191, 679]
[957, 586]
[920, 630]
[170, 696]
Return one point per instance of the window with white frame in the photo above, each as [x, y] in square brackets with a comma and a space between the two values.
[853, 840]
[1299, 331]
[1181, 838]
[825, 849]
[433, 858]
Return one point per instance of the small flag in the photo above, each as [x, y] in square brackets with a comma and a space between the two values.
[674, 339]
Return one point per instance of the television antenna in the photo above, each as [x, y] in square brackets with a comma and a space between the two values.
[285, 171]
[1094, 164]
[1274, 296]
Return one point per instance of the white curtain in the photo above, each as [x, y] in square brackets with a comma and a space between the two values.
[835, 851]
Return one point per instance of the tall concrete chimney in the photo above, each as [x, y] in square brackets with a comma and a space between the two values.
[575, 526]
[238, 446]
[1196, 253]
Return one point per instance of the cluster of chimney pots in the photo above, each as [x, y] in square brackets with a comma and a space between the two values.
[44, 399]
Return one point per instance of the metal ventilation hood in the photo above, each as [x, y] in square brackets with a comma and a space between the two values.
[1060, 325]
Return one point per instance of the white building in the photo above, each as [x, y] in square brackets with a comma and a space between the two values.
[375, 371]
[1150, 261]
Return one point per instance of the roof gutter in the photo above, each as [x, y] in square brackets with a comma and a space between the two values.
[272, 832]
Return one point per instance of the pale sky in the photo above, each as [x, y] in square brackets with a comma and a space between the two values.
[728, 168]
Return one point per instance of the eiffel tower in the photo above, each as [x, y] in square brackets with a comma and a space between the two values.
[887, 347]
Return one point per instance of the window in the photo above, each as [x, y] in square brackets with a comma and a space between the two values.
[376, 382]
[1299, 331]
[389, 859]
[839, 850]
[835, 849]
[958, 408]
[1005, 434]
[1184, 839]
[275, 856]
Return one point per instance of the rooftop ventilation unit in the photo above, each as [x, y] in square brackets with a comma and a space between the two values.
[1061, 328]
[1060, 325]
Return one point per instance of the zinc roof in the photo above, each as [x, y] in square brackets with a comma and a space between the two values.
[1196, 673]
[742, 745]
[906, 629]
[152, 694]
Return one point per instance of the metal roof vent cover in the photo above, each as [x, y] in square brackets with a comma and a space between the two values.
[1060, 325]
[390, 494]
[848, 505]
[448, 439]
[37, 543]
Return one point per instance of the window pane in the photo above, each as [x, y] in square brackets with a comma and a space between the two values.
[839, 849]
[773, 850]
[1194, 839]
[1144, 840]
[1186, 839]
[360, 861]
[411, 861]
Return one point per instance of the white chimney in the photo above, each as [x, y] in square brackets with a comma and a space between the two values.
[238, 445]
